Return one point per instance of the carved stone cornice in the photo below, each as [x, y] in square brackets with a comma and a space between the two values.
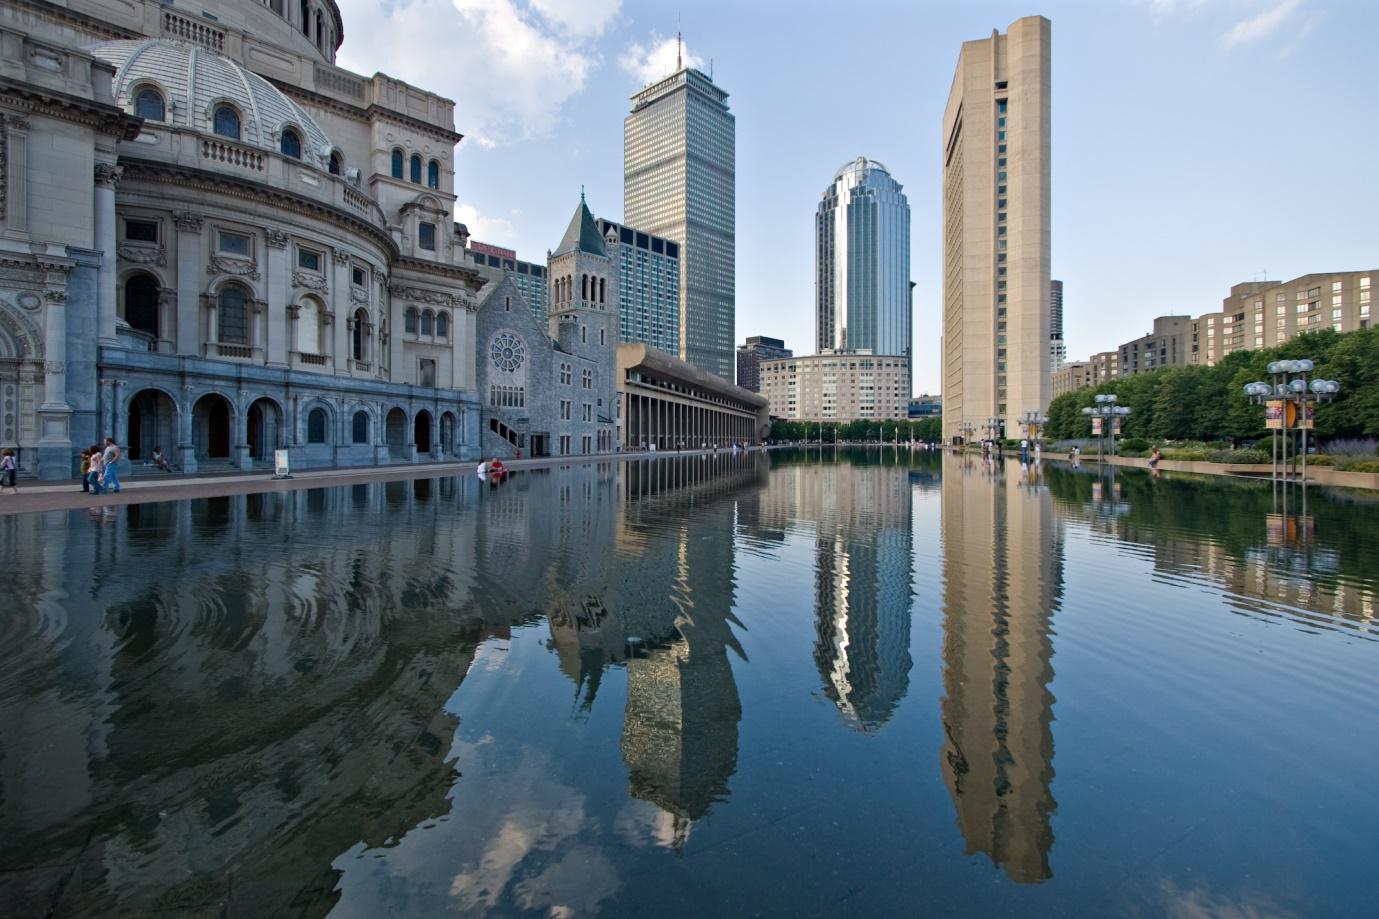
[240, 268]
[277, 239]
[31, 99]
[167, 296]
[430, 297]
[342, 257]
[308, 280]
[294, 310]
[143, 255]
[55, 297]
[359, 295]
[258, 306]
[56, 368]
[187, 221]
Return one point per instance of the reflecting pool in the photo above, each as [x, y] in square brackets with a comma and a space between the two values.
[854, 683]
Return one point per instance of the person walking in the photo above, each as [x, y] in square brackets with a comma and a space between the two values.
[93, 470]
[86, 472]
[110, 466]
[9, 471]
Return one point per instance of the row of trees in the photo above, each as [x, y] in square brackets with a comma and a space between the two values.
[1208, 403]
[925, 429]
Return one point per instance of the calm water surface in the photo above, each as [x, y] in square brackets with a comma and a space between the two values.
[856, 684]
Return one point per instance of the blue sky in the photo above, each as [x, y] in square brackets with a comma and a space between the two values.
[1196, 143]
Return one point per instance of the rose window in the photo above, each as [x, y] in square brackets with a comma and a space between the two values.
[507, 352]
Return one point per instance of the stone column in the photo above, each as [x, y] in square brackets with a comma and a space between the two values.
[186, 448]
[167, 321]
[277, 286]
[339, 302]
[191, 268]
[15, 210]
[240, 450]
[54, 414]
[107, 177]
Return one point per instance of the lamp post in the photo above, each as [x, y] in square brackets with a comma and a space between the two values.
[993, 429]
[1106, 414]
[968, 429]
[1034, 422]
[1289, 402]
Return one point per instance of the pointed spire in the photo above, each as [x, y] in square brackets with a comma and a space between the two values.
[582, 233]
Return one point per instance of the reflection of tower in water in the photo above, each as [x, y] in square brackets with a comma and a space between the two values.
[1002, 571]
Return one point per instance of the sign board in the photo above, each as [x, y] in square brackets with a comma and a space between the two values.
[1303, 416]
[280, 464]
[1273, 414]
[1115, 426]
[1096, 427]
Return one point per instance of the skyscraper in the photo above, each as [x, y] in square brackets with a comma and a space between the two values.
[862, 262]
[679, 183]
[648, 286]
[749, 357]
[996, 229]
[1058, 349]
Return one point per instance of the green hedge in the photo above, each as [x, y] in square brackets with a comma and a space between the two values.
[1239, 457]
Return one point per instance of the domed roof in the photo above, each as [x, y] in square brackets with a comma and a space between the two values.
[193, 80]
[860, 166]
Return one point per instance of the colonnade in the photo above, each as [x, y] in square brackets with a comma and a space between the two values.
[673, 422]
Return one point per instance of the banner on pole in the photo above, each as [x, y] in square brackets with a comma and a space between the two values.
[1115, 426]
[1304, 416]
[1273, 414]
[1096, 427]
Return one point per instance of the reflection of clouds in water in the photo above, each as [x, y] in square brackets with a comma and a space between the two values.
[1202, 903]
[641, 823]
[513, 836]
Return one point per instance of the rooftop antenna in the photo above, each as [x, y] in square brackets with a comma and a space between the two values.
[679, 64]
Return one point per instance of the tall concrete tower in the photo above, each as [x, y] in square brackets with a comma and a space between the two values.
[679, 182]
[862, 262]
[996, 254]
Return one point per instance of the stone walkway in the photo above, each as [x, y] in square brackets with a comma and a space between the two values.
[145, 489]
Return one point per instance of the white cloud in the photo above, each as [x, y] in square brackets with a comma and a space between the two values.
[508, 67]
[656, 60]
[1260, 26]
[1165, 8]
[495, 230]
[584, 18]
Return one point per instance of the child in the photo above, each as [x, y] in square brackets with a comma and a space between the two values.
[9, 469]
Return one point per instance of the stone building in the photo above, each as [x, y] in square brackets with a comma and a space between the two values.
[838, 386]
[1071, 377]
[548, 389]
[217, 242]
[1166, 345]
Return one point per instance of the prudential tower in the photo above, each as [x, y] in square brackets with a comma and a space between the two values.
[862, 262]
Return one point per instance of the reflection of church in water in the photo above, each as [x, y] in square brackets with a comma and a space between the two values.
[1002, 574]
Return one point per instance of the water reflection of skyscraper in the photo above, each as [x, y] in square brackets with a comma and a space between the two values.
[1002, 572]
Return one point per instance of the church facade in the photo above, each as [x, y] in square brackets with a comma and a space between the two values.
[215, 241]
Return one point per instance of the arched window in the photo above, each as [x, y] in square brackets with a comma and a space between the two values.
[361, 427]
[226, 122]
[292, 144]
[433, 174]
[306, 18]
[361, 325]
[428, 320]
[316, 426]
[320, 31]
[416, 168]
[397, 164]
[233, 316]
[602, 289]
[308, 327]
[584, 287]
[336, 166]
[442, 325]
[141, 303]
[409, 320]
[149, 104]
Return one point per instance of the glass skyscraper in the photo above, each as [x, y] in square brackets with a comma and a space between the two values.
[679, 178]
[862, 262]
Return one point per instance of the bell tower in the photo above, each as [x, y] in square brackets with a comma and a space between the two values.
[583, 290]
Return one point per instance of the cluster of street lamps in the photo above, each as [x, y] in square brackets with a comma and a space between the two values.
[1288, 403]
[1110, 415]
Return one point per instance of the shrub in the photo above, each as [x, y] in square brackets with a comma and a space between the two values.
[1321, 459]
[1356, 447]
[1191, 456]
[1238, 456]
[1132, 453]
[1138, 444]
[1357, 465]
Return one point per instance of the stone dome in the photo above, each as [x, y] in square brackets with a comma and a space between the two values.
[193, 80]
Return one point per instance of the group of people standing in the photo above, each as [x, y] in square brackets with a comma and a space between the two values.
[100, 468]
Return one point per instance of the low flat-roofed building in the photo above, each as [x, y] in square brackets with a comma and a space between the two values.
[1071, 377]
[1165, 346]
[665, 403]
[1105, 366]
[838, 386]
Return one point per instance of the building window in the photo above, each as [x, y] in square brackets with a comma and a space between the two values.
[357, 276]
[361, 427]
[428, 321]
[141, 303]
[409, 320]
[566, 373]
[433, 174]
[141, 231]
[565, 409]
[442, 325]
[426, 236]
[234, 243]
[225, 122]
[588, 412]
[316, 426]
[291, 144]
[426, 371]
[233, 316]
[361, 326]
[335, 165]
[148, 104]
[397, 164]
[308, 259]
[603, 337]
[416, 168]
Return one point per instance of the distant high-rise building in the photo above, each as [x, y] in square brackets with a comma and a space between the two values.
[862, 262]
[679, 178]
[996, 229]
[648, 286]
[1058, 349]
[838, 386]
[496, 263]
[749, 357]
